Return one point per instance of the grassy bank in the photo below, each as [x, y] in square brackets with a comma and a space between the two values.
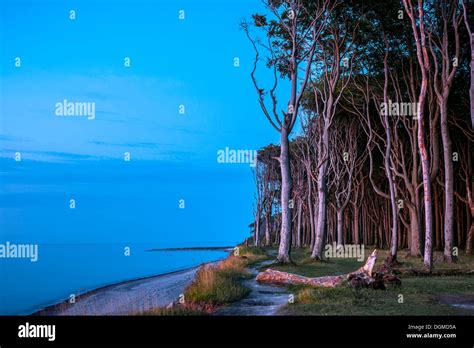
[416, 296]
[221, 284]
[217, 285]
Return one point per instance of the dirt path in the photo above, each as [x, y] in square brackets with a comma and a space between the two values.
[262, 300]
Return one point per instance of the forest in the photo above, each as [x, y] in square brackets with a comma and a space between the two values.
[376, 127]
[306, 161]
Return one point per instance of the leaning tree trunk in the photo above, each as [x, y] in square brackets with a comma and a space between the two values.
[286, 184]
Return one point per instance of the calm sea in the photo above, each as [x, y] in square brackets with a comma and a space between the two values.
[117, 206]
[62, 270]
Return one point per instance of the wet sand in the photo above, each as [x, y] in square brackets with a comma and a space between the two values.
[136, 296]
[126, 298]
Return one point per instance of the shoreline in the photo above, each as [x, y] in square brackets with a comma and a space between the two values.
[154, 291]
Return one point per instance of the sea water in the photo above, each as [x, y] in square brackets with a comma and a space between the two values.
[120, 213]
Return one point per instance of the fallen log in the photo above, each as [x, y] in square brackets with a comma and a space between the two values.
[283, 278]
[362, 277]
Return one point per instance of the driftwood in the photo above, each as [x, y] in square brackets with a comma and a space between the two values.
[363, 277]
[283, 278]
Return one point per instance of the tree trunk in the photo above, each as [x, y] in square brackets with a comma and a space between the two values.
[437, 219]
[356, 224]
[364, 273]
[286, 184]
[298, 229]
[423, 61]
[320, 232]
[469, 240]
[414, 233]
[448, 184]
[340, 227]
[268, 238]
[471, 90]
[393, 202]
[427, 195]
[388, 171]
[311, 218]
[256, 236]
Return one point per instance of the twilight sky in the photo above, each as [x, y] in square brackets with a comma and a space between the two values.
[174, 62]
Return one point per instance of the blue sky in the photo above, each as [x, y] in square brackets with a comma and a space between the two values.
[174, 62]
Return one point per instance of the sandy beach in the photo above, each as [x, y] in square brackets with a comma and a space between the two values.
[128, 297]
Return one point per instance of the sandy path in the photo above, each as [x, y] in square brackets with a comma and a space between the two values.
[127, 297]
[264, 299]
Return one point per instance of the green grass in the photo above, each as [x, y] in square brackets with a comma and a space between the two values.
[421, 295]
[253, 255]
[216, 286]
[464, 261]
[305, 266]
[222, 283]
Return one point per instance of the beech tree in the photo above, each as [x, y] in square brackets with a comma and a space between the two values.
[291, 38]
[445, 64]
[331, 76]
[417, 18]
[469, 25]
[342, 163]
[411, 183]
